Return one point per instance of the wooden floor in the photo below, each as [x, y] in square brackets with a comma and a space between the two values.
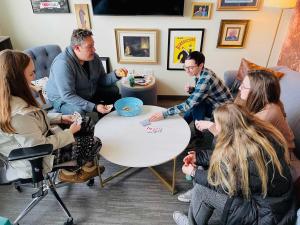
[136, 197]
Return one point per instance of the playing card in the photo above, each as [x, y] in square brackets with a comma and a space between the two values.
[77, 118]
[153, 130]
[145, 122]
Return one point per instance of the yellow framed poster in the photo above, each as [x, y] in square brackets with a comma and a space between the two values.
[181, 42]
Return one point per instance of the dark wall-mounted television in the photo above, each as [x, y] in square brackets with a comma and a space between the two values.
[138, 7]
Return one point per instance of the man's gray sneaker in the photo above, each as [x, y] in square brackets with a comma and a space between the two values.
[180, 218]
[186, 197]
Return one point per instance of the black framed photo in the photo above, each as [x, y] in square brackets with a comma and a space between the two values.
[105, 63]
[50, 6]
[181, 42]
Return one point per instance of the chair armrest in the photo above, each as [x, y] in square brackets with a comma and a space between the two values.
[30, 152]
[229, 77]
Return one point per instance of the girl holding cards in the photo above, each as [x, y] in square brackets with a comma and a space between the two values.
[248, 178]
[24, 124]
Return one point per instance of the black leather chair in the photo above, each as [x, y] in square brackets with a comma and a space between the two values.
[40, 182]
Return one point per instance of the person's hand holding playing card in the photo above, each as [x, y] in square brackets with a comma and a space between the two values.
[104, 108]
[156, 117]
[67, 119]
[75, 127]
[190, 159]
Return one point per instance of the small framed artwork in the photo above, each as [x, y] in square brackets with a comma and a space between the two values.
[201, 10]
[50, 6]
[238, 5]
[181, 42]
[83, 16]
[137, 46]
[105, 63]
[232, 33]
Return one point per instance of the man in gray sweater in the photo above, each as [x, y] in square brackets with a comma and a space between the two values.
[77, 80]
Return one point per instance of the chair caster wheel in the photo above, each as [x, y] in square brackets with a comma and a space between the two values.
[90, 182]
[69, 221]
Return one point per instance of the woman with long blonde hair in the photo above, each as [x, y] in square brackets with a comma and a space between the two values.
[248, 168]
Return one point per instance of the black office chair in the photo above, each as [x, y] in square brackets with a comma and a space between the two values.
[42, 183]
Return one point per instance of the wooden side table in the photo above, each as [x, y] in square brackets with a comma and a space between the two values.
[147, 93]
[5, 43]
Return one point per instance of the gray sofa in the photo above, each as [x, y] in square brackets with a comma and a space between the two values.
[290, 97]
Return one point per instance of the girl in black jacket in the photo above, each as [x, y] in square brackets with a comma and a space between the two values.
[248, 180]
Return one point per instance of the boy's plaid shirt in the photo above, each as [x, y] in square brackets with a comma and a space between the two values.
[209, 88]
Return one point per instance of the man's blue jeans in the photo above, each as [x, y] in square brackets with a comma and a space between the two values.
[104, 95]
[65, 108]
[198, 112]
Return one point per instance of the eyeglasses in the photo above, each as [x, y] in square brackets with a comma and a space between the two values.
[242, 86]
[189, 67]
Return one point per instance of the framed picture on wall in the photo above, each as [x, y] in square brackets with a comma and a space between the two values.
[181, 42]
[50, 6]
[82, 16]
[105, 63]
[201, 10]
[137, 46]
[232, 33]
[238, 4]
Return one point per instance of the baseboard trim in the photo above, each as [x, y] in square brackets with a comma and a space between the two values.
[171, 97]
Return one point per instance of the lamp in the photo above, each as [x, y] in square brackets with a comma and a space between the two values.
[282, 4]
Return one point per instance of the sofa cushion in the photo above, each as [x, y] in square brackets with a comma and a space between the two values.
[290, 95]
[246, 65]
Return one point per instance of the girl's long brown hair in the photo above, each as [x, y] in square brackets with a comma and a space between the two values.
[243, 137]
[265, 89]
[13, 83]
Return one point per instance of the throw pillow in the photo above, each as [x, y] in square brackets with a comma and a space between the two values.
[246, 65]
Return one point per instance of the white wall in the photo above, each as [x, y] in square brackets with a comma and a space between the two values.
[27, 29]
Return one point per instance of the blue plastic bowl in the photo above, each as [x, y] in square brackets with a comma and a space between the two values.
[129, 106]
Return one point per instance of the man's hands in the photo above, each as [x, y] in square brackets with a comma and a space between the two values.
[156, 117]
[104, 108]
[121, 72]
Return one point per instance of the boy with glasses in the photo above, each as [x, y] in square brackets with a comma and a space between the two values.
[209, 92]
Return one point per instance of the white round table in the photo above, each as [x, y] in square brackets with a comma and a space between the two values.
[126, 142]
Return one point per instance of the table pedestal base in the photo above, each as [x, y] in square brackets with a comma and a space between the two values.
[169, 185]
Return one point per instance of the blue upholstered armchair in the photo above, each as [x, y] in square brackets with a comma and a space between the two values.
[43, 57]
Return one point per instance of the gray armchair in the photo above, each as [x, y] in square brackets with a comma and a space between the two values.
[43, 57]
